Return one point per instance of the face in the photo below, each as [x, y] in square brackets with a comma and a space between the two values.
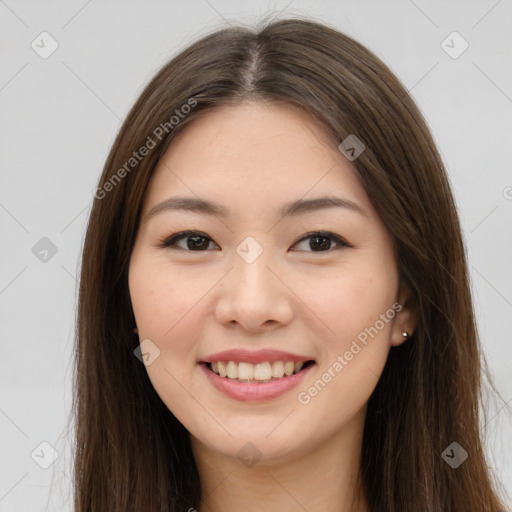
[276, 285]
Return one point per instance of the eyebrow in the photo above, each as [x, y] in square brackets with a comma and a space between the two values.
[298, 207]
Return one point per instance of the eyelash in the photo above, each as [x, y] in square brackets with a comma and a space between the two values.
[170, 242]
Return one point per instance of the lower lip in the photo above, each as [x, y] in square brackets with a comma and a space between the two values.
[253, 391]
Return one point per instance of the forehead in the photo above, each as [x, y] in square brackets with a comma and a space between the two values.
[255, 154]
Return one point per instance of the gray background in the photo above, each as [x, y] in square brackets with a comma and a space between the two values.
[59, 116]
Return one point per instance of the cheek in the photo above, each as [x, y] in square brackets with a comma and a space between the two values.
[357, 308]
[161, 299]
[349, 302]
[166, 310]
[169, 307]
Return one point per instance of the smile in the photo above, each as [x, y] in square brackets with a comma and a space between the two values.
[257, 373]
[259, 383]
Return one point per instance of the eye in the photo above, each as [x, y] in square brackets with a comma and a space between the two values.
[197, 241]
[320, 241]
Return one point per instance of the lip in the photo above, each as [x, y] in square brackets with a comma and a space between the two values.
[254, 357]
[253, 391]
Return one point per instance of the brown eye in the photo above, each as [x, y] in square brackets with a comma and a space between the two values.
[195, 241]
[321, 241]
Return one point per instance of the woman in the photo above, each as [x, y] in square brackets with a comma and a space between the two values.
[274, 303]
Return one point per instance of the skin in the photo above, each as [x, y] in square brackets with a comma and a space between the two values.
[253, 158]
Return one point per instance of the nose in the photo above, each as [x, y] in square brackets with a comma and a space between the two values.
[254, 296]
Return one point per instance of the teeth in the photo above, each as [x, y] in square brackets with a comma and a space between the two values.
[245, 371]
[278, 369]
[262, 372]
[289, 367]
[232, 370]
[222, 369]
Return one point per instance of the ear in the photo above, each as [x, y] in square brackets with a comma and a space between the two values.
[405, 319]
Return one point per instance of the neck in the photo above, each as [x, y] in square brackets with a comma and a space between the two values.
[323, 479]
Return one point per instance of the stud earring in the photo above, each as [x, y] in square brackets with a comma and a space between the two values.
[405, 334]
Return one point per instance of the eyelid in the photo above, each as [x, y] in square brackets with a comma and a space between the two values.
[340, 241]
[170, 242]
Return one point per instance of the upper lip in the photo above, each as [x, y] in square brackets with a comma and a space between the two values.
[254, 357]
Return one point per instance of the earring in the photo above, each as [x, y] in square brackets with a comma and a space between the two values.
[405, 334]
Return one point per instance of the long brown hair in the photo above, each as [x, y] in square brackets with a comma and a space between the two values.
[131, 452]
